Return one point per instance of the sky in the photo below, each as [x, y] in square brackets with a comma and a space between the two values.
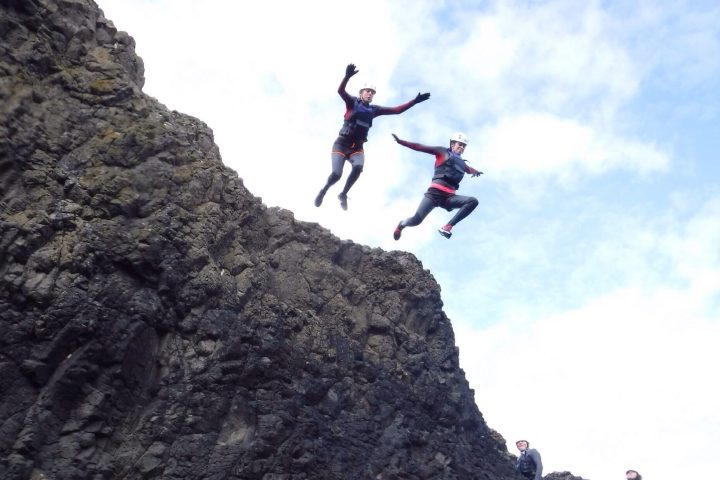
[584, 290]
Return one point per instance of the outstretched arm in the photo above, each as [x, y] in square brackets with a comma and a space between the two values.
[350, 70]
[421, 97]
[472, 171]
[419, 147]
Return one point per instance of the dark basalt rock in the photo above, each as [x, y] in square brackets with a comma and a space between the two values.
[562, 476]
[158, 321]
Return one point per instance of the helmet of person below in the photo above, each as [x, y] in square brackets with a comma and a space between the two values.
[459, 137]
[368, 86]
[637, 475]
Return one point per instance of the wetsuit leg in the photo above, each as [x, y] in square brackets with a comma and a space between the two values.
[425, 207]
[465, 204]
[338, 160]
[357, 160]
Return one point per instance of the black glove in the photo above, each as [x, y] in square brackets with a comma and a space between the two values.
[350, 70]
[476, 174]
[421, 97]
[396, 138]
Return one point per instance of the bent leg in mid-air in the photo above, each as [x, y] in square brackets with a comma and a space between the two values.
[425, 207]
[466, 206]
[357, 160]
[338, 160]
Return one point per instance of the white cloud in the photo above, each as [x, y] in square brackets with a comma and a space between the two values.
[515, 56]
[534, 144]
[538, 88]
[627, 374]
[631, 369]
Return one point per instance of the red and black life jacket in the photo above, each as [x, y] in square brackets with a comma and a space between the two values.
[358, 123]
[451, 171]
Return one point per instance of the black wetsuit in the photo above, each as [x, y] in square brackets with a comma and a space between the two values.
[348, 146]
[450, 169]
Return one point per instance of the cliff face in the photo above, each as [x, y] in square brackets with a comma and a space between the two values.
[157, 321]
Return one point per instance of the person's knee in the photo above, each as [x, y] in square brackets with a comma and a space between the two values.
[413, 221]
[334, 177]
[357, 169]
[472, 202]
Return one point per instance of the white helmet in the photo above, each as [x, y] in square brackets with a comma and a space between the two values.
[459, 137]
[368, 86]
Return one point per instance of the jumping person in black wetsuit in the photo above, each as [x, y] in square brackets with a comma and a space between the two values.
[450, 168]
[348, 146]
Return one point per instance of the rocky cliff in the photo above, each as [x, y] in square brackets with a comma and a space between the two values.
[562, 476]
[158, 321]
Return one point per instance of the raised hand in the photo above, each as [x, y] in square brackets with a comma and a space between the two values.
[476, 173]
[396, 138]
[350, 70]
[421, 97]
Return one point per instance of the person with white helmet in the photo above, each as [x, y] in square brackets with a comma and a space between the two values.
[348, 147]
[450, 168]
